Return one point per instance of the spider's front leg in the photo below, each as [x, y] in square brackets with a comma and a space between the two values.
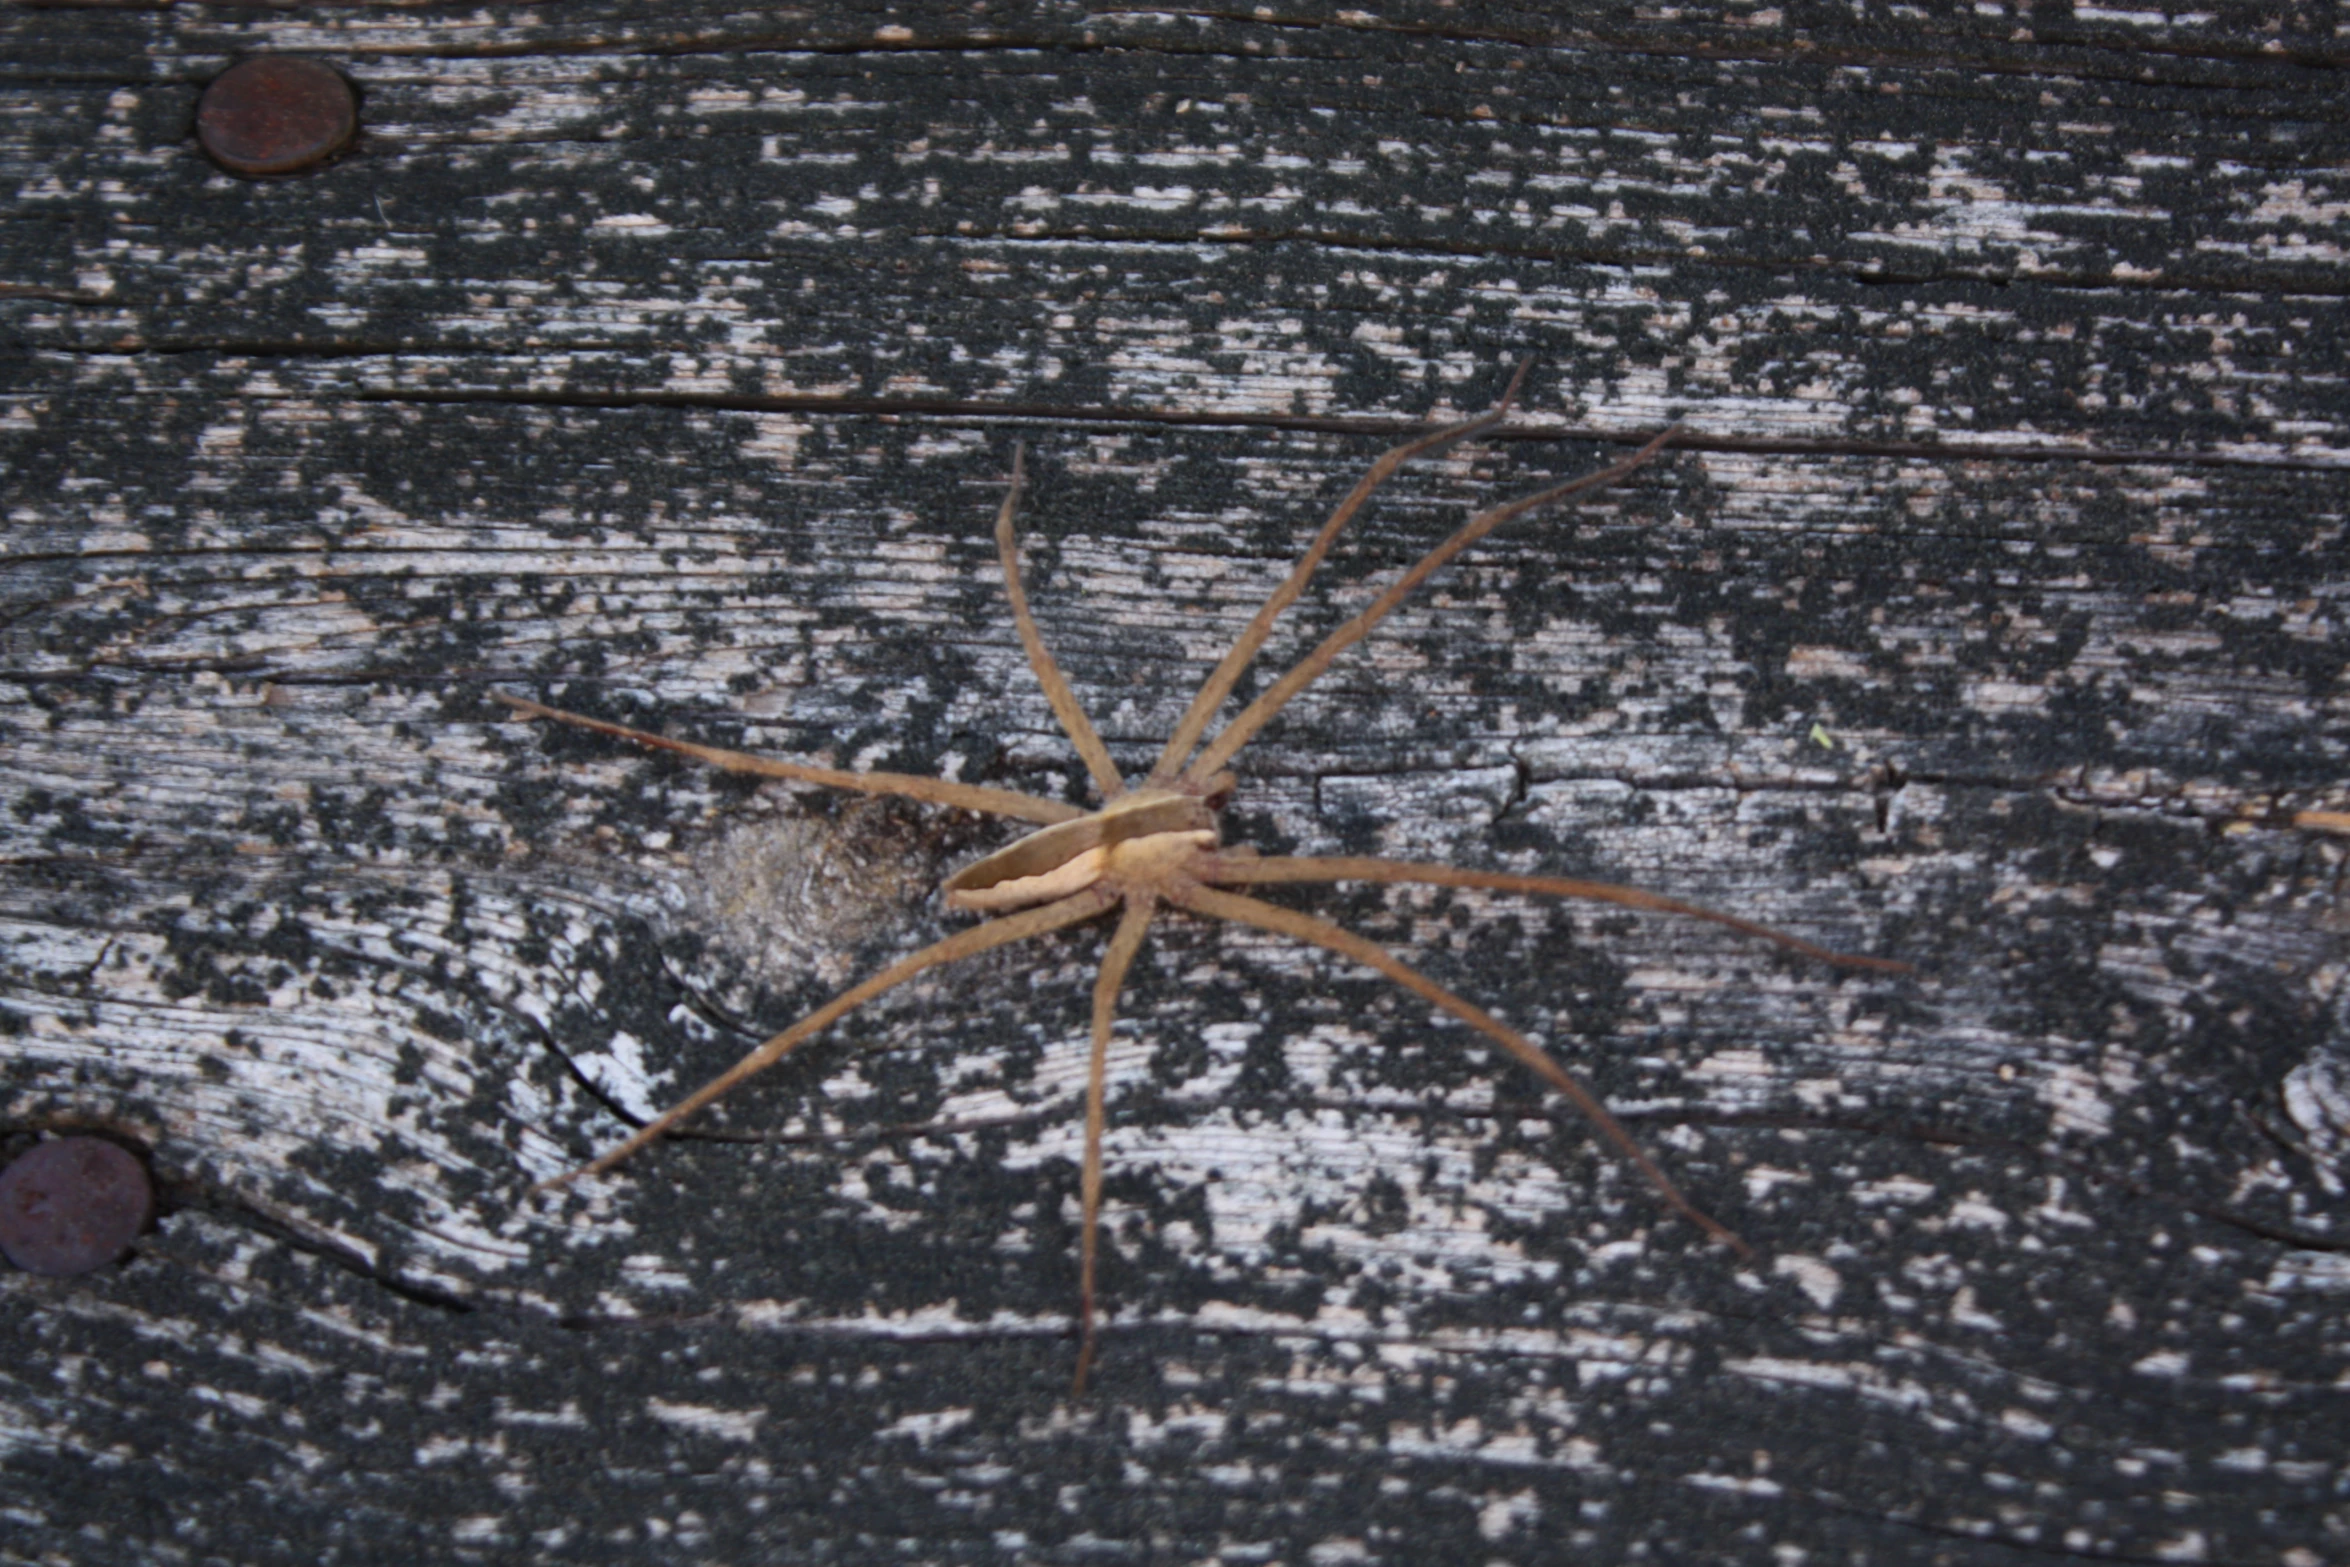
[905, 786]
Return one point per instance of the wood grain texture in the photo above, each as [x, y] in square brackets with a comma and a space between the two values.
[667, 364]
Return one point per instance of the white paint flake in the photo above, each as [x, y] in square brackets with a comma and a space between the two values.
[928, 1426]
[2072, 1094]
[1502, 1514]
[1814, 1277]
[728, 1425]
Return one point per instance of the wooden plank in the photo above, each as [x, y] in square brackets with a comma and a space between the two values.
[1990, 615]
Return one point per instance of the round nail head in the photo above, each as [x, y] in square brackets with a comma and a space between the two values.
[72, 1204]
[276, 114]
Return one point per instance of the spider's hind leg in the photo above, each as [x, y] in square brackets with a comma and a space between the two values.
[1322, 933]
[962, 944]
[1132, 925]
[1264, 870]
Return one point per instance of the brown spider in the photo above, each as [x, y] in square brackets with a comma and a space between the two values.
[1155, 844]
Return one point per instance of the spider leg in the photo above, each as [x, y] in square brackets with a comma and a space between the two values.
[962, 944]
[910, 786]
[1219, 683]
[1229, 869]
[1115, 962]
[1337, 938]
[1074, 723]
[1309, 669]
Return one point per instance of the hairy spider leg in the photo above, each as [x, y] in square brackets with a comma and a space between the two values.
[1262, 870]
[909, 786]
[1251, 640]
[1133, 922]
[1228, 867]
[1337, 938]
[1077, 907]
[1258, 713]
[1074, 723]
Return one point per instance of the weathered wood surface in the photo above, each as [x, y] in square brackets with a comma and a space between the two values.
[1990, 615]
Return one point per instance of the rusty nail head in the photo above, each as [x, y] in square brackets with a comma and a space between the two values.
[72, 1204]
[276, 114]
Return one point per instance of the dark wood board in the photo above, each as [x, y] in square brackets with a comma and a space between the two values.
[668, 362]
